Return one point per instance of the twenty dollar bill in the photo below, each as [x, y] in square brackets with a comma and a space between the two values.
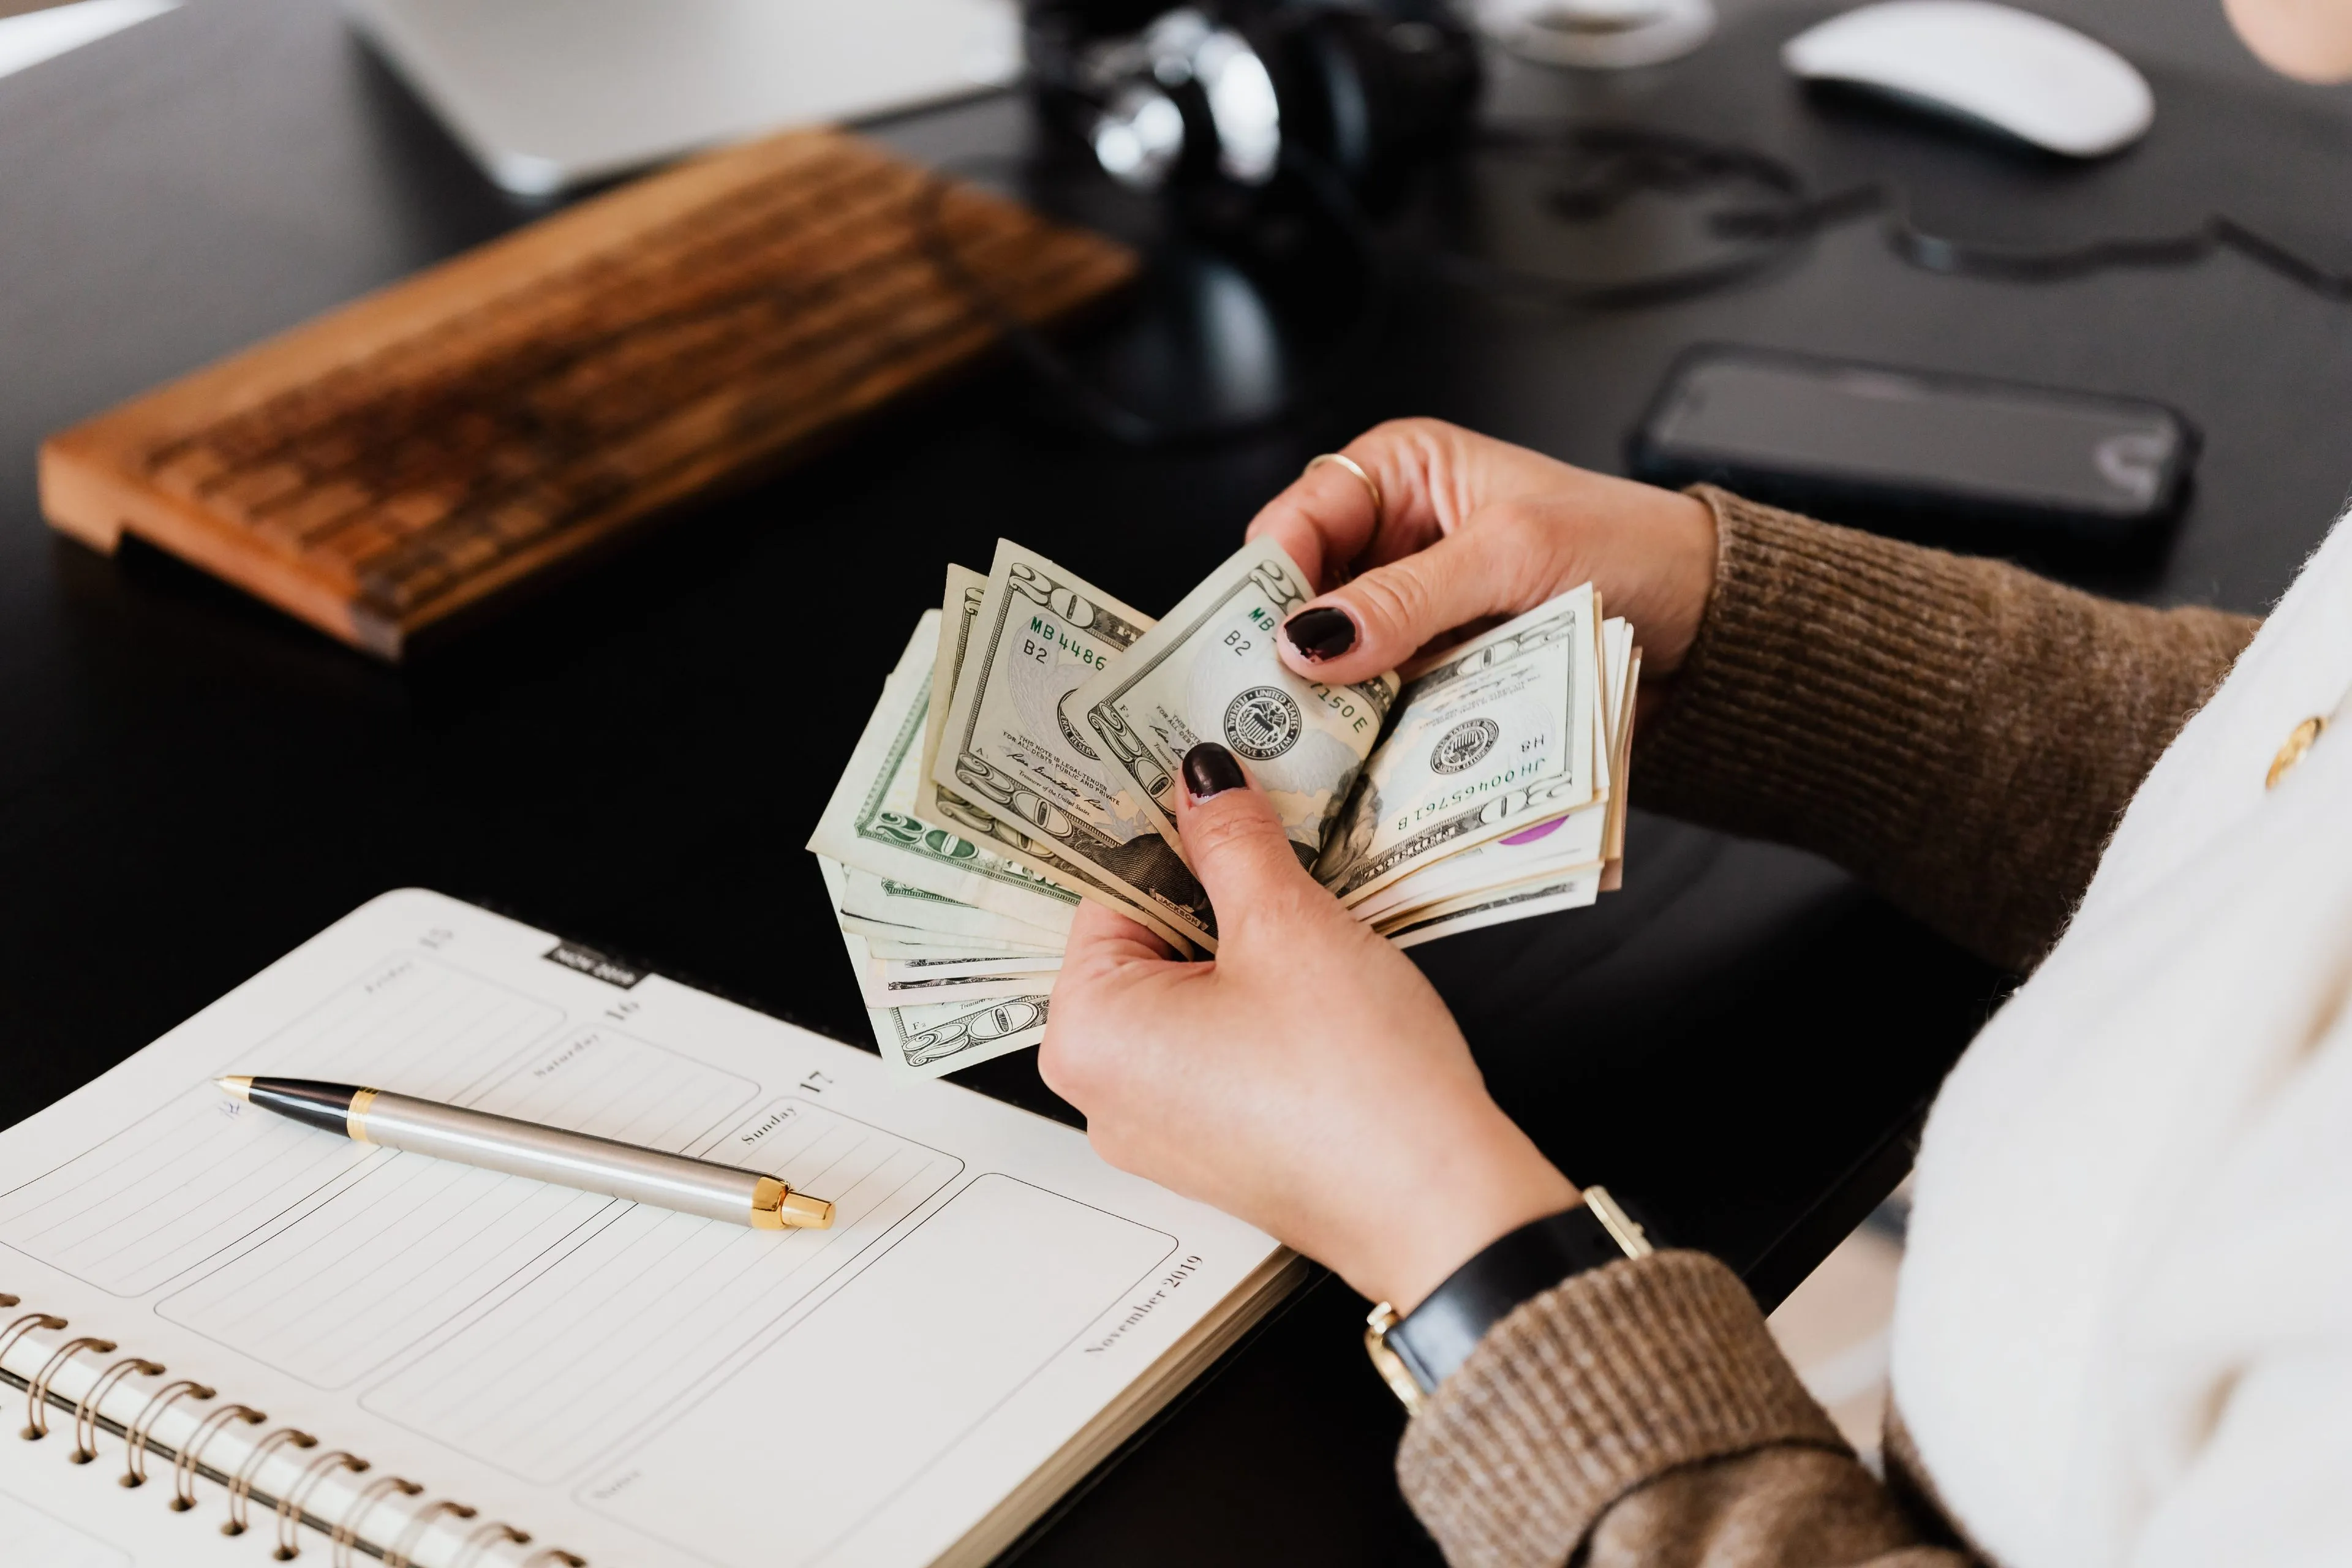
[1010, 750]
[869, 823]
[1210, 672]
[1498, 735]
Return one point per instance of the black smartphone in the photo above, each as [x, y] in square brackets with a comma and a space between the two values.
[1874, 444]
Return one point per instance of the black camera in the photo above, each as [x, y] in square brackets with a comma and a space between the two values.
[1239, 92]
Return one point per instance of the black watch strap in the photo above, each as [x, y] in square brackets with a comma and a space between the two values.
[1428, 1343]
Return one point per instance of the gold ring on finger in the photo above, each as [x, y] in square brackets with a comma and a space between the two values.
[1370, 484]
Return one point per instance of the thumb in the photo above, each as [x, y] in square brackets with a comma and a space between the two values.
[1377, 621]
[1235, 842]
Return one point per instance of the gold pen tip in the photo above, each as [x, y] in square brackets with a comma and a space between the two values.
[801, 1212]
[240, 1087]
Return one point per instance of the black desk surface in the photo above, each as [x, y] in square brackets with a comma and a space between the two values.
[191, 784]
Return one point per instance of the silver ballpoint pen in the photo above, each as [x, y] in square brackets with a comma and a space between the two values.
[544, 1154]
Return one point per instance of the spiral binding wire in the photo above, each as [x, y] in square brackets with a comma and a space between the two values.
[86, 1409]
[23, 1326]
[346, 1531]
[240, 1486]
[134, 1436]
[419, 1525]
[288, 1509]
[480, 1541]
[183, 1463]
[37, 1393]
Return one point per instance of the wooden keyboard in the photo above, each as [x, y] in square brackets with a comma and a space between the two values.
[412, 455]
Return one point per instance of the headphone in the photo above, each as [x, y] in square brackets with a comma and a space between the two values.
[1236, 92]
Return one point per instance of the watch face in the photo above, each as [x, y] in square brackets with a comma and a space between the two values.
[1395, 1371]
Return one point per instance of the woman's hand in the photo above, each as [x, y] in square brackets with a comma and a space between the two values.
[1471, 528]
[1309, 1080]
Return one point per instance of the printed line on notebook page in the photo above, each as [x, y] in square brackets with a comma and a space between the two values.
[35, 1536]
[926, 1349]
[656, 1304]
[201, 1173]
[414, 1242]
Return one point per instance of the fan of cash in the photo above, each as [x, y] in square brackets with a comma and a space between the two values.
[1025, 751]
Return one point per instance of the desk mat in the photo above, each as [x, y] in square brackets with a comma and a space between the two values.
[429, 447]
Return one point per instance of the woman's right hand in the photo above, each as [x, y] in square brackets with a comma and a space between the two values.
[1471, 528]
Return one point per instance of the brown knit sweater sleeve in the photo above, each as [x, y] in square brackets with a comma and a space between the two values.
[1964, 735]
[1642, 1411]
[1960, 733]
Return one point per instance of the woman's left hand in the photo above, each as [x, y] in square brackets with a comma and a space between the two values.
[1308, 1080]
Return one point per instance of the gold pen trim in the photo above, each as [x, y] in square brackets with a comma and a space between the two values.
[355, 1115]
[775, 1206]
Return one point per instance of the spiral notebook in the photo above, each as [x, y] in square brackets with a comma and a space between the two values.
[235, 1337]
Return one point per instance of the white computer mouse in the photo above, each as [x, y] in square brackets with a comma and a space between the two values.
[1972, 60]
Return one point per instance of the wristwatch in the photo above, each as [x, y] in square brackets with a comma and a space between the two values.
[1416, 1352]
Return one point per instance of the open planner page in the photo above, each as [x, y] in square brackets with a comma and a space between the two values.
[624, 1384]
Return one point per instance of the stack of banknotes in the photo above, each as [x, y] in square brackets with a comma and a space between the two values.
[1028, 748]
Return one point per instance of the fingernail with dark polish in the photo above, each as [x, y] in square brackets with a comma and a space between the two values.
[1210, 770]
[1322, 633]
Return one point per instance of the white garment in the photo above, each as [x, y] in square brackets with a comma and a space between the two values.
[2124, 1332]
